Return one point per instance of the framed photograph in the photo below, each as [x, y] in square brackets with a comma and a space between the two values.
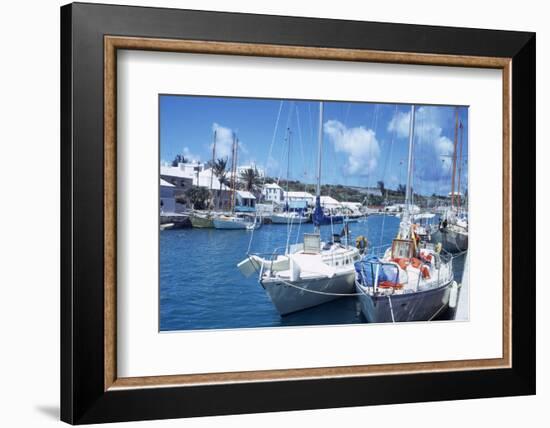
[267, 213]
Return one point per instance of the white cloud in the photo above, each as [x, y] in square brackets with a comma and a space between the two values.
[399, 124]
[224, 142]
[433, 149]
[190, 156]
[360, 144]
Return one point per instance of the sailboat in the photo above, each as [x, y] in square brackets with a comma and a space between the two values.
[452, 232]
[310, 273]
[287, 216]
[201, 219]
[412, 281]
[235, 221]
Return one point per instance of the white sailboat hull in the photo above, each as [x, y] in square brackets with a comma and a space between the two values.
[416, 306]
[292, 298]
[230, 223]
[282, 219]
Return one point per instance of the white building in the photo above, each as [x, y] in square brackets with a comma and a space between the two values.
[245, 201]
[167, 197]
[289, 197]
[187, 175]
[192, 173]
[243, 168]
[272, 192]
[329, 203]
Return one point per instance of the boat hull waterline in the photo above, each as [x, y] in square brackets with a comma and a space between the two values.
[232, 224]
[282, 219]
[299, 295]
[415, 306]
[202, 222]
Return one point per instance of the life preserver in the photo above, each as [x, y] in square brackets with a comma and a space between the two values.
[390, 284]
[403, 262]
[361, 243]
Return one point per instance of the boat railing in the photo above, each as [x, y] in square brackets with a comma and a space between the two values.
[378, 250]
[375, 269]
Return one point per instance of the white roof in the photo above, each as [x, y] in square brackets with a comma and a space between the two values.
[272, 186]
[329, 200]
[175, 171]
[165, 183]
[204, 176]
[351, 204]
[245, 195]
[303, 195]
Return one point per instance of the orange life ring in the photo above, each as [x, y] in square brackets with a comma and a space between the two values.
[404, 262]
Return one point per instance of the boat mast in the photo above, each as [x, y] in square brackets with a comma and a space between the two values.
[212, 166]
[454, 161]
[319, 157]
[460, 163]
[408, 191]
[233, 171]
[288, 133]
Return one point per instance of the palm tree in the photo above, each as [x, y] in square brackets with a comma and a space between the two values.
[381, 186]
[220, 171]
[250, 179]
[198, 197]
[179, 159]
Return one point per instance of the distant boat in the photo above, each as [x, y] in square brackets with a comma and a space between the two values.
[289, 217]
[452, 232]
[411, 281]
[202, 220]
[234, 222]
[310, 273]
[452, 237]
[205, 220]
[322, 219]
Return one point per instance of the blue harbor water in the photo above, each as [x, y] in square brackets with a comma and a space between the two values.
[201, 287]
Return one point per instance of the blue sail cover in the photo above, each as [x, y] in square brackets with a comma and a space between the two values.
[319, 218]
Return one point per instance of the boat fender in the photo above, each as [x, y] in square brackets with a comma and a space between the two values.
[453, 295]
[361, 243]
[438, 247]
[425, 272]
[294, 271]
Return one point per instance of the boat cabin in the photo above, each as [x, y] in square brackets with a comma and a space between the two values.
[402, 249]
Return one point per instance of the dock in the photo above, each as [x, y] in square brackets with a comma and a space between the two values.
[462, 310]
[178, 220]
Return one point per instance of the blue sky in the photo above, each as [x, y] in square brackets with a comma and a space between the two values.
[362, 142]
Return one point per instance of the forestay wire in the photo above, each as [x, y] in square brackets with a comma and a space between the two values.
[267, 163]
